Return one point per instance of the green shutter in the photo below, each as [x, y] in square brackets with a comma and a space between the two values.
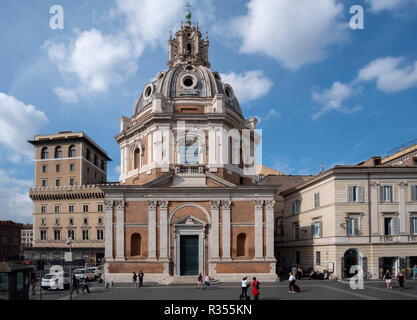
[361, 194]
[413, 193]
[350, 194]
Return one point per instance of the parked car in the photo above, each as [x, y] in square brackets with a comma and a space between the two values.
[96, 272]
[80, 274]
[55, 281]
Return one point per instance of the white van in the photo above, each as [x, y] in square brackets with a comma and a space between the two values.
[55, 281]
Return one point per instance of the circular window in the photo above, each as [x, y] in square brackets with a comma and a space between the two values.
[188, 81]
[148, 91]
[229, 91]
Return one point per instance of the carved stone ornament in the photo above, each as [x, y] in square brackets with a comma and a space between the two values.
[163, 204]
[152, 204]
[259, 204]
[226, 204]
[189, 221]
[215, 204]
[120, 204]
[270, 204]
[108, 204]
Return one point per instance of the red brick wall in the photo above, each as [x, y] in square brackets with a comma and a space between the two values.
[243, 267]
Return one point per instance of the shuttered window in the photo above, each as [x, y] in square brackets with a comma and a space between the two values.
[413, 193]
[316, 229]
[317, 200]
[413, 225]
[353, 226]
[386, 193]
[356, 194]
[391, 226]
[296, 206]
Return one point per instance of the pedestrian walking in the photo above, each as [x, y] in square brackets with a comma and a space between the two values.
[255, 289]
[245, 285]
[85, 286]
[300, 273]
[33, 283]
[281, 270]
[207, 282]
[200, 281]
[401, 279]
[134, 279]
[141, 275]
[74, 284]
[388, 278]
[291, 283]
[294, 271]
[415, 272]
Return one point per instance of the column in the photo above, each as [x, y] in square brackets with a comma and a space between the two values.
[374, 209]
[401, 209]
[152, 230]
[215, 229]
[270, 229]
[226, 229]
[163, 229]
[108, 253]
[259, 204]
[120, 230]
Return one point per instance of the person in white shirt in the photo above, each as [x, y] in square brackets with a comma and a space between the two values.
[245, 285]
[206, 282]
[291, 283]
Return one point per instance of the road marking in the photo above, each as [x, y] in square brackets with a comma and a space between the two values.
[350, 292]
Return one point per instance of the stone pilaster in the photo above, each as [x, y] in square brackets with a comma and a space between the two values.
[152, 230]
[120, 230]
[374, 209]
[108, 253]
[163, 230]
[226, 229]
[270, 229]
[215, 229]
[401, 210]
[259, 205]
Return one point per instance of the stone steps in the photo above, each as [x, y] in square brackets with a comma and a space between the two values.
[185, 280]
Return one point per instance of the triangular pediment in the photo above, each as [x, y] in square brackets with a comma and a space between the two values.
[189, 220]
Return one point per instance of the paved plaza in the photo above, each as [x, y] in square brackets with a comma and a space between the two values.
[310, 290]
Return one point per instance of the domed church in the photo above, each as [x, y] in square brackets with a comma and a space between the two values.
[188, 199]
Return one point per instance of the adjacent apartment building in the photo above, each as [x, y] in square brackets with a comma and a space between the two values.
[67, 200]
[362, 215]
[10, 240]
[27, 236]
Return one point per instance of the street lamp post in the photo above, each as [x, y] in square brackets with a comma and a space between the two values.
[69, 242]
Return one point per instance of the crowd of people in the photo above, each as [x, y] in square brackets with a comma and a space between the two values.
[204, 283]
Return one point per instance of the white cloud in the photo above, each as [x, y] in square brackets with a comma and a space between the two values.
[15, 203]
[150, 21]
[295, 33]
[333, 99]
[93, 61]
[273, 114]
[66, 95]
[381, 5]
[390, 73]
[18, 123]
[248, 86]
[96, 60]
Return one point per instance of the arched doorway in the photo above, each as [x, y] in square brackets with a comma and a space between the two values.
[352, 257]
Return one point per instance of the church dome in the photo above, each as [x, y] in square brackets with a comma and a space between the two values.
[189, 75]
[188, 80]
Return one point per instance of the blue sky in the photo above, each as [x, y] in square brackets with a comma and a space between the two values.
[322, 91]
